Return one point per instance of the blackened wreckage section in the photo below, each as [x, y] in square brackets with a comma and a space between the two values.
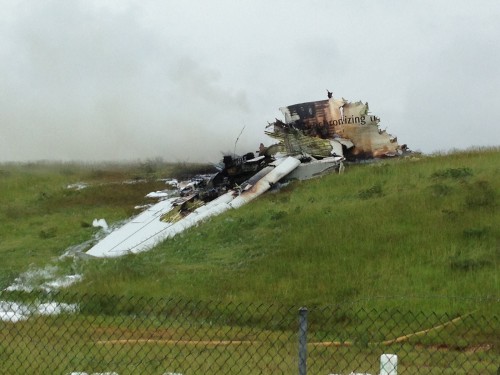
[333, 126]
[316, 138]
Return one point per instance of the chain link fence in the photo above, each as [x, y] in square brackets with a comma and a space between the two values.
[92, 334]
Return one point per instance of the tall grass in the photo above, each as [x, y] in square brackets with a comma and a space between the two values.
[132, 335]
[426, 230]
[41, 216]
[395, 236]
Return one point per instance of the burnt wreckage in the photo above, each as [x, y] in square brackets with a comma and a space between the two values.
[329, 131]
[315, 138]
[334, 127]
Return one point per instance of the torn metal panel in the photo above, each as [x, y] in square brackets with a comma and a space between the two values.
[334, 119]
[138, 233]
[283, 167]
[337, 148]
[248, 164]
[148, 229]
[236, 169]
[316, 168]
[295, 142]
[316, 137]
[344, 142]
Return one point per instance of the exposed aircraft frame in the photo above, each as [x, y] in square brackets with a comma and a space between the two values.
[315, 138]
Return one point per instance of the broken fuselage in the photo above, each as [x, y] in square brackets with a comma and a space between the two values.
[333, 127]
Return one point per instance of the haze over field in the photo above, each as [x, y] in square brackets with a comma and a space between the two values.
[113, 80]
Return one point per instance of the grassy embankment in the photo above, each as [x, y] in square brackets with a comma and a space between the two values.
[41, 216]
[397, 236]
[424, 229]
[419, 229]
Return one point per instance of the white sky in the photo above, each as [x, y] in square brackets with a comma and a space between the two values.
[127, 80]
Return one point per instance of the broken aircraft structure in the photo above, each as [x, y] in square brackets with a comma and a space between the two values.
[150, 227]
[315, 138]
[333, 127]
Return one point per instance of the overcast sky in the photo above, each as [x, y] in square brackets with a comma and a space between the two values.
[179, 80]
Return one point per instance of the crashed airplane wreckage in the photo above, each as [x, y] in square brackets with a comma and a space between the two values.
[333, 127]
[314, 139]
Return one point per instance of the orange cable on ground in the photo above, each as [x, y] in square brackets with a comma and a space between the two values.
[423, 332]
[397, 339]
[167, 341]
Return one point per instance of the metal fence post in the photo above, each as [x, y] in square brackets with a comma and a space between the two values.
[303, 341]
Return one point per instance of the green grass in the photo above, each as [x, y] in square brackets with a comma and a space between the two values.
[392, 240]
[131, 335]
[41, 217]
[423, 229]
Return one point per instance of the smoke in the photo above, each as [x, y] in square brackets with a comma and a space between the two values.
[90, 83]
[135, 79]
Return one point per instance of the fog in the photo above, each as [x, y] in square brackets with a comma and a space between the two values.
[127, 80]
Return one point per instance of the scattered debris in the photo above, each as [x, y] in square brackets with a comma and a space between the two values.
[100, 223]
[77, 186]
[315, 138]
[159, 194]
[158, 222]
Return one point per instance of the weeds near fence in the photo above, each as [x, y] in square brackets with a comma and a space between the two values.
[125, 335]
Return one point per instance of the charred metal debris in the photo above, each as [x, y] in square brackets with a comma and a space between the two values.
[315, 138]
[333, 127]
[321, 135]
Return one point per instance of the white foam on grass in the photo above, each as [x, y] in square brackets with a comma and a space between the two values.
[14, 312]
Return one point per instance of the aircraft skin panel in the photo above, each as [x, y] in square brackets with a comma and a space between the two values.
[147, 230]
[133, 233]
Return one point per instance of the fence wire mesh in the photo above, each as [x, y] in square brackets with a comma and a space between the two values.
[92, 334]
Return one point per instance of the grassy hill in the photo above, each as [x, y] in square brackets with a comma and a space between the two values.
[423, 230]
